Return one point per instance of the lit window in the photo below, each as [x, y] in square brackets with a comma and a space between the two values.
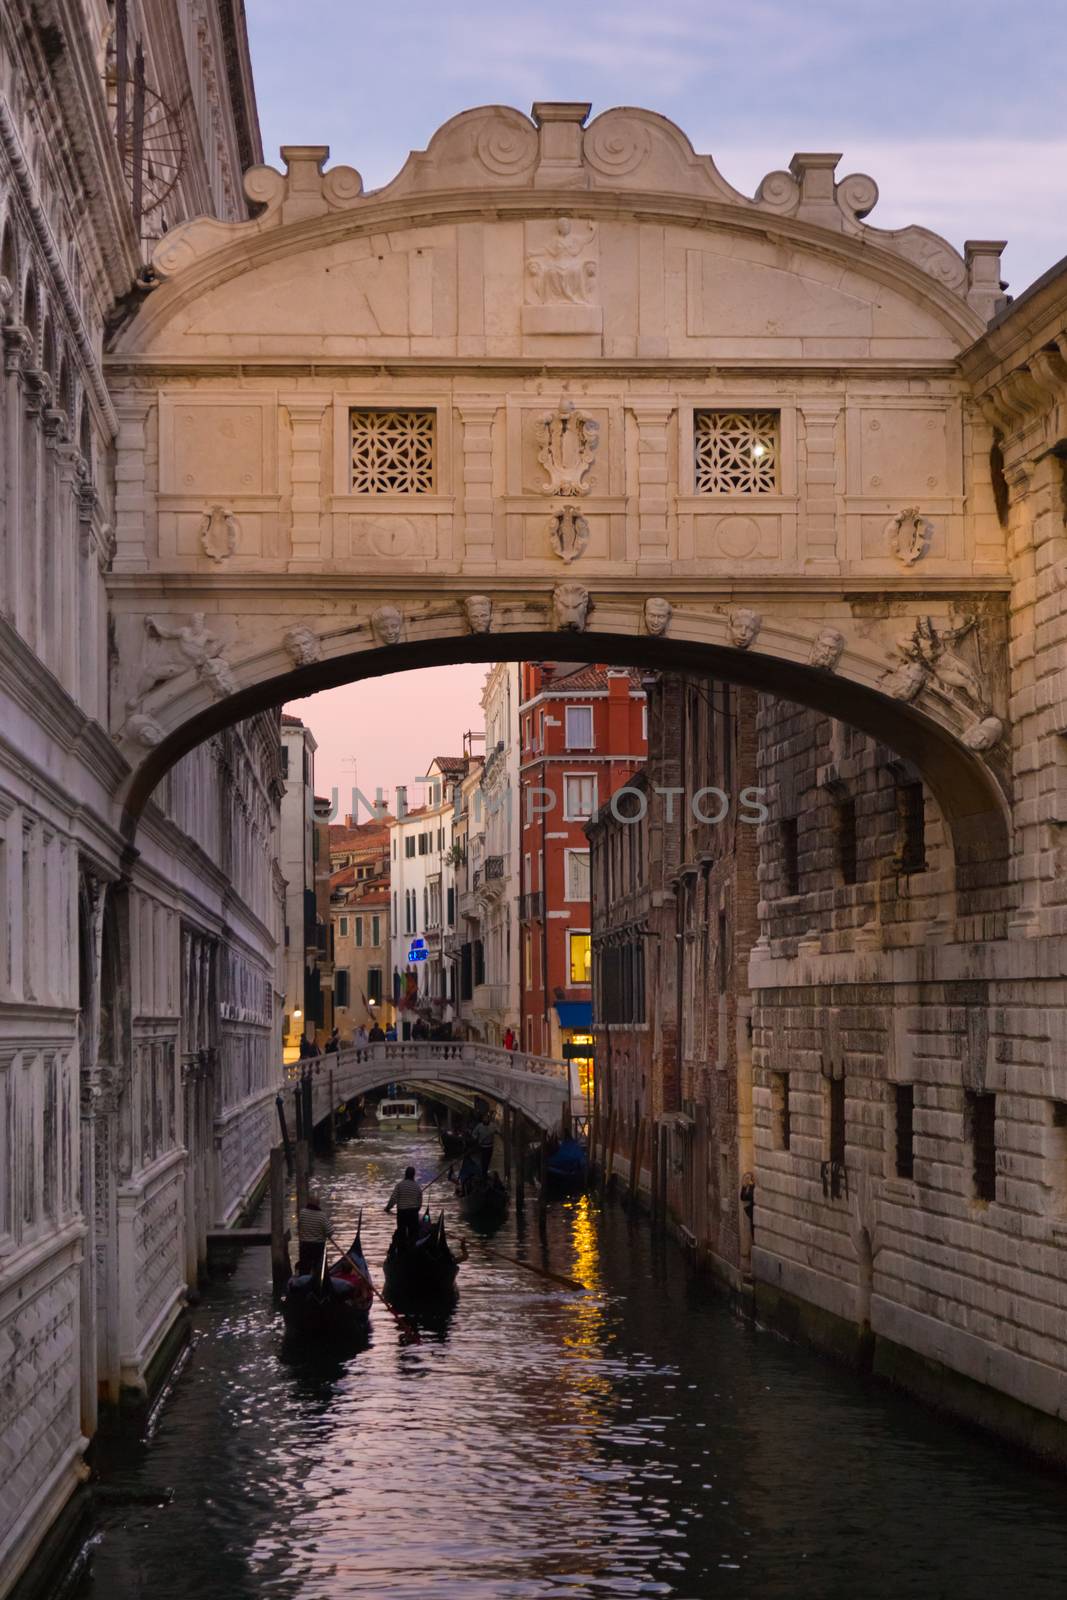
[735, 452]
[579, 796]
[577, 874]
[579, 727]
[392, 451]
[580, 957]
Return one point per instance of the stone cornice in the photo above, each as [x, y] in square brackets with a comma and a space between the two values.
[153, 586]
[686, 369]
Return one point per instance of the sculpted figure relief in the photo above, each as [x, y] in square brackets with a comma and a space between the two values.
[926, 659]
[194, 648]
[559, 275]
[478, 609]
[570, 607]
[908, 534]
[983, 735]
[744, 626]
[826, 649]
[303, 645]
[387, 623]
[569, 441]
[144, 730]
[658, 613]
[568, 533]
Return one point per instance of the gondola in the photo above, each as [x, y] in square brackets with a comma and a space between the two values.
[332, 1303]
[425, 1270]
[452, 1144]
[483, 1200]
[568, 1167]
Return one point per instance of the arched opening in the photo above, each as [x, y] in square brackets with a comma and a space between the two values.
[969, 792]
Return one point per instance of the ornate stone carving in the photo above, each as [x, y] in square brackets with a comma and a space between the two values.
[570, 607]
[826, 649]
[303, 644]
[568, 533]
[145, 730]
[617, 146]
[658, 613]
[388, 624]
[908, 535]
[506, 144]
[220, 533]
[478, 610]
[559, 275]
[927, 660]
[984, 734]
[744, 625]
[196, 650]
[569, 441]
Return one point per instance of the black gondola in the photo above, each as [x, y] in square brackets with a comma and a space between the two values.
[425, 1270]
[330, 1303]
[483, 1201]
[452, 1144]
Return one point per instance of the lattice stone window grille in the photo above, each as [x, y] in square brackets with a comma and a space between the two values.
[392, 451]
[736, 452]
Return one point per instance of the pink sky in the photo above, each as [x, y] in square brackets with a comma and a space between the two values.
[392, 726]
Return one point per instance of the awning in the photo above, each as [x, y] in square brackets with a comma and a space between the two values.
[575, 1014]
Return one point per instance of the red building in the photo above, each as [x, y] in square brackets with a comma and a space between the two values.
[582, 731]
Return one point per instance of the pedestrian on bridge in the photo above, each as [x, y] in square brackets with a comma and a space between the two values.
[407, 1198]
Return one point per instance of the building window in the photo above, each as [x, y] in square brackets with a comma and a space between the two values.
[845, 838]
[579, 796]
[1057, 1153]
[579, 721]
[911, 820]
[722, 954]
[837, 1121]
[392, 451]
[579, 957]
[577, 862]
[358, 931]
[904, 1097]
[343, 927]
[790, 855]
[735, 452]
[285, 760]
[409, 846]
[780, 1129]
[980, 1111]
[376, 930]
[342, 989]
[374, 984]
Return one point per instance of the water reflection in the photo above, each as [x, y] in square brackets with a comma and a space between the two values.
[628, 1439]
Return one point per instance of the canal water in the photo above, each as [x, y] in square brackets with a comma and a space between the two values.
[632, 1439]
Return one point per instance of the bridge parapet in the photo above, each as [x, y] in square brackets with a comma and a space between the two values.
[539, 1086]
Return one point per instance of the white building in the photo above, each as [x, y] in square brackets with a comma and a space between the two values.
[495, 999]
[298, 869]
[423, 910]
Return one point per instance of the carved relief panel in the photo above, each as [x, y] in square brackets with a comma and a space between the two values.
[393, 478]
[565, 485]
[904, 500]
[737, 481]
[218, 478]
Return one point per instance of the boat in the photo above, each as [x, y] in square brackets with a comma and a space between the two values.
[425, 1270]
[568, 1166]
[452, 1143]
[331, 1303]
[483, 1200]
[399, 1113]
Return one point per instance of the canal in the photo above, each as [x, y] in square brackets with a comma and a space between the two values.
[634, 1439]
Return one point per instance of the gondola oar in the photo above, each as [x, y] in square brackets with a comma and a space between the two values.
[527, 1266]
[408, 1329]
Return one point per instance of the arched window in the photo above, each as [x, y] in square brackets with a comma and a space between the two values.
[9, 265]
[30, 316]
[85, 440]
[49, 354]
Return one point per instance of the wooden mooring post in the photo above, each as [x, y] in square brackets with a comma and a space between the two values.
[303, 1167]
[542, 1188]
[520, 1164]
[281, 1269]
[607, 1172]
[286, 1143]
[509, 1119]
[331, 1120]
[635, 1161]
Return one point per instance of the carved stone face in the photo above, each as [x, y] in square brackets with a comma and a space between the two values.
[479, 613]
[387, 623]
[744, 626]
[983, 735]
[658, 613]
[570, 607]
[827, 648]
[303, 645]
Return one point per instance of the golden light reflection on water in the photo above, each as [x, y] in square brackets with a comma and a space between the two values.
[584, 1342]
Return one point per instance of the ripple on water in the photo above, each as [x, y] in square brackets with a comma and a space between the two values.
[548, 1443]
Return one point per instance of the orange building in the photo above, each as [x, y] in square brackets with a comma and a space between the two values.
[582, 732]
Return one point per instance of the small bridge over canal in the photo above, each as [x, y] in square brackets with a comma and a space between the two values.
[543, 1089]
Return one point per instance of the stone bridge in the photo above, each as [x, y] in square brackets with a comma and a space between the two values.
[559, 389]
[539, 1086]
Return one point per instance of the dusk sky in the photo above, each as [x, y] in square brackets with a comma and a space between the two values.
[953, 107]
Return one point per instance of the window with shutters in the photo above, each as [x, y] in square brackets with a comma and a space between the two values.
[409, 846]
[376, 930]
[342, 987]
[579, 797]
[579, 723]
[358, 930]
[342, 927]
[577, 874]
[981, 1123]
[393, 451]
[904, 1097]
[374, 984]
[735, 452]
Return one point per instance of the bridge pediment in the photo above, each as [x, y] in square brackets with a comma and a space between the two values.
[462, 254]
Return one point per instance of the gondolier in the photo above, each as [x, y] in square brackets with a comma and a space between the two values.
[312, 1232]
[407, 1198]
